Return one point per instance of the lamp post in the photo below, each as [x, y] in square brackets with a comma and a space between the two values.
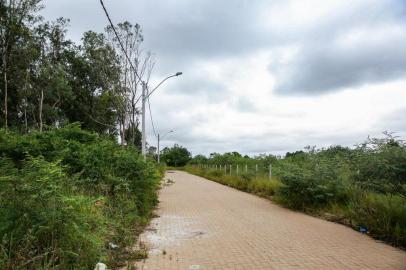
[144, 97]
[159, 138]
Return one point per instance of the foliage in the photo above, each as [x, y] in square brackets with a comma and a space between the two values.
[365, 185]
[48, 80]
[380, 165]
[176, 156]
[65, 194]
[316, 182]
[44, 223]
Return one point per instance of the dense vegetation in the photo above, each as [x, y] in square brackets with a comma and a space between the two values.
[66, 194]
[360, 187]
[176, 156]
[48, 80]
[70, 197]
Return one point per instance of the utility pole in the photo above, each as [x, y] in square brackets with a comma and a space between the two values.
[159, 154]
[144, 97]
[144, 139]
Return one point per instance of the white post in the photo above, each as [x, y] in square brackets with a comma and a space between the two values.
[144, 135]
[220, 167]
[231, 167]
[270, 171]
[237, 169]
[246, 168]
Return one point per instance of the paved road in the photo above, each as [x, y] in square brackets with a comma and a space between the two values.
[204, 225]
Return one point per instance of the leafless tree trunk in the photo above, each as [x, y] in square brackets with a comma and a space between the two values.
[26, 101]
[134, 65]
[41, 102]
[5, 91]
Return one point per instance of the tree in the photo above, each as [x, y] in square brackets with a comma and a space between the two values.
[48, 80]
[200, 159]
[94, 74]
[176, 156]
[136, 66]
[15, 17]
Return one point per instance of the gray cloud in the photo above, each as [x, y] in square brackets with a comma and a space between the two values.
[195, 82]
[186, 34]
[329, 67]
[328, 60]
[182, 33]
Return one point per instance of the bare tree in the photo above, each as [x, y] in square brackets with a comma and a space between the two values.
[143, 63]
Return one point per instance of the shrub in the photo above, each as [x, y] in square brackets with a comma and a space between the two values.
[43, 221]
[380, 165]
[313, 185]
[71, 192]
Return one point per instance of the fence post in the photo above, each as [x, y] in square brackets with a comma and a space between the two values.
[246, 168]
[231, 167]
[237, 170]
[270, 171]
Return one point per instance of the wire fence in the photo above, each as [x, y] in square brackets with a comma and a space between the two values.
[249, 170]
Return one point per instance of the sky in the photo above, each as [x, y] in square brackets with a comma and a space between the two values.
[265, 76]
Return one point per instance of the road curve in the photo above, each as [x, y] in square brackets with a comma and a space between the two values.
[205, 225]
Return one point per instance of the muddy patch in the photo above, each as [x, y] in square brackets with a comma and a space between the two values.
[170, 230]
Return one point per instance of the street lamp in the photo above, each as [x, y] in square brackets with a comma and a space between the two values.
[159, 138]
[144, 98]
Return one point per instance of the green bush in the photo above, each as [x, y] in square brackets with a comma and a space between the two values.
[43, 222]
[312, 185]
[380, 165]
[71, 192]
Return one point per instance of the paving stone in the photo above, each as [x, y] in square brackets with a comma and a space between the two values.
[204, 225]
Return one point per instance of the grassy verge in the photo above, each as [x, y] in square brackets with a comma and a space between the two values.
[384, 215]
[70, 199]
[246, 182]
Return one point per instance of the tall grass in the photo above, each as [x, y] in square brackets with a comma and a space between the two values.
[260, 185]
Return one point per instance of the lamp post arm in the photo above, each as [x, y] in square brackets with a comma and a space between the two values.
[166, 134]
[164, 80]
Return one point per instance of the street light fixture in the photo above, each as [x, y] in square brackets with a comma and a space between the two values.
[159, 138]
[144, 98]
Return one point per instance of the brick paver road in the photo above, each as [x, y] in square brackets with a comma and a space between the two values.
[204, 225]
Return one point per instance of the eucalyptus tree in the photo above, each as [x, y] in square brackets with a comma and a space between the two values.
[15, 18]
[136, 66]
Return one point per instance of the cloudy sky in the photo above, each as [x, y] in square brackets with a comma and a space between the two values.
[265, 76]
